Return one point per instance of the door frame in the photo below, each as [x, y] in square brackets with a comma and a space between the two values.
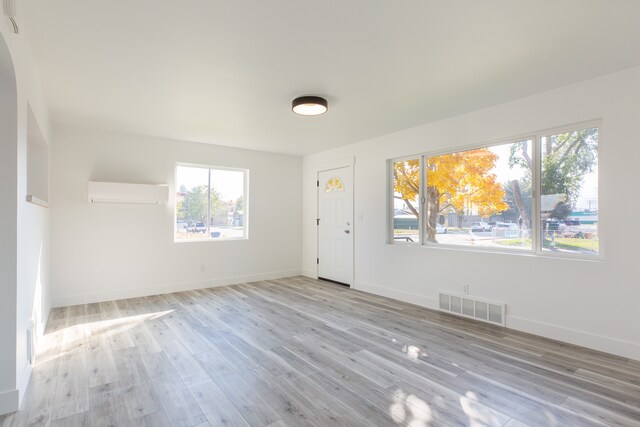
[347, 162]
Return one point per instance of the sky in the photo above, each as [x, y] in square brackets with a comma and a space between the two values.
[588, 197]
[228, 183]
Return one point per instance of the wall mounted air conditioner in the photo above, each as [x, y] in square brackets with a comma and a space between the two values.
[115, 192]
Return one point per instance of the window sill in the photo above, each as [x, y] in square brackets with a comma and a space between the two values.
[36, 201]
[525, 253]
[210, 240]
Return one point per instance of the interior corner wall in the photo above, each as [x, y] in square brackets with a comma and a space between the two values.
[112, 251]
[588, 303]
[26, 291]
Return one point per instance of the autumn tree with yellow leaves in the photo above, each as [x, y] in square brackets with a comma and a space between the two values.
[454, 181]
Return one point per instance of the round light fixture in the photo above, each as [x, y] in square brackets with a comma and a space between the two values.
[309, 105]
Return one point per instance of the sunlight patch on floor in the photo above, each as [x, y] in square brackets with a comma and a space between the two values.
[75, 336]
[409, 410]
[479, 414]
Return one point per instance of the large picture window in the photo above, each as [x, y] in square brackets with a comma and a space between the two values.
[211, 203]
[535, 194]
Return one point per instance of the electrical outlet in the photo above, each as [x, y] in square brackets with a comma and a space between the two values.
[465, 289]
[203, 268]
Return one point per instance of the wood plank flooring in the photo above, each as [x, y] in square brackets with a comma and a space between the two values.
[301, 352]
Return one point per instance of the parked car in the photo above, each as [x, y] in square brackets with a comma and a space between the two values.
[441, 229]
[507, 225]
[480, 226]
[198, 227]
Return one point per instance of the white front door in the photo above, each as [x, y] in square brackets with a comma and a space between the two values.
[335, 225]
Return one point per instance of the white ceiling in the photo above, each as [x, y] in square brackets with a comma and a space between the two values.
[225, 71]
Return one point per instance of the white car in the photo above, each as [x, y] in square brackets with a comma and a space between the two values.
[480, 226]
[507, 225]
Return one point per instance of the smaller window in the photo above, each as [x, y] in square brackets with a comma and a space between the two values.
[334, 184]
[210, 203]
[569, 192]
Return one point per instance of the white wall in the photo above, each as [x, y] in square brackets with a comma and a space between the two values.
[8, 230]
[34, 238]
[591, 303]
[24, 263]
[108, 251]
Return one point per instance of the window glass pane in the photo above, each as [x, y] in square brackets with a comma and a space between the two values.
[228, 205]
[406, 200]
[480, 197]
[191, 203]
[569, 192]
[210, 204]
[334, 184]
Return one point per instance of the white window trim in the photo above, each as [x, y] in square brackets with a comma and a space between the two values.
[536, 232]
[245, 190]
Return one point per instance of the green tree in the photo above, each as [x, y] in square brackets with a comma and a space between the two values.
[215, 201]
[566, 159]
[180, 211]
[194, 205]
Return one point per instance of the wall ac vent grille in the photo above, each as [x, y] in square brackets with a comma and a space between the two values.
[473, 308]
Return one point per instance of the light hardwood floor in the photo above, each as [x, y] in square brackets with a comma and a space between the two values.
[297, 351]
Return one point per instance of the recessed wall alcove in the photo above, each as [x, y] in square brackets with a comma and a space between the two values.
[37, 163]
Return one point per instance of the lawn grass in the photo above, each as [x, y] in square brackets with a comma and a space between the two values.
[590, 245]
[566, 243]
[404, 231]
[514, 242]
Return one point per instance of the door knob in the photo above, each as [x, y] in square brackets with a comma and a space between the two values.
[347, 231]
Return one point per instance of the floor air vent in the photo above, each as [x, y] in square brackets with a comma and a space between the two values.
[473, 308]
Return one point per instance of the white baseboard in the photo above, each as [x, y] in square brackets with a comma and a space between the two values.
[313, 274]
[409, 297]
[66, 300]
[582, 338]
[24, 382]
[577, 337]
[9, 401]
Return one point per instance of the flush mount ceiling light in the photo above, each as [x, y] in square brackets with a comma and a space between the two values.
[309, 105]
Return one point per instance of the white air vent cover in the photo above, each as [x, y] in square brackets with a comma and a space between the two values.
[114, 192]
[473, 308]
